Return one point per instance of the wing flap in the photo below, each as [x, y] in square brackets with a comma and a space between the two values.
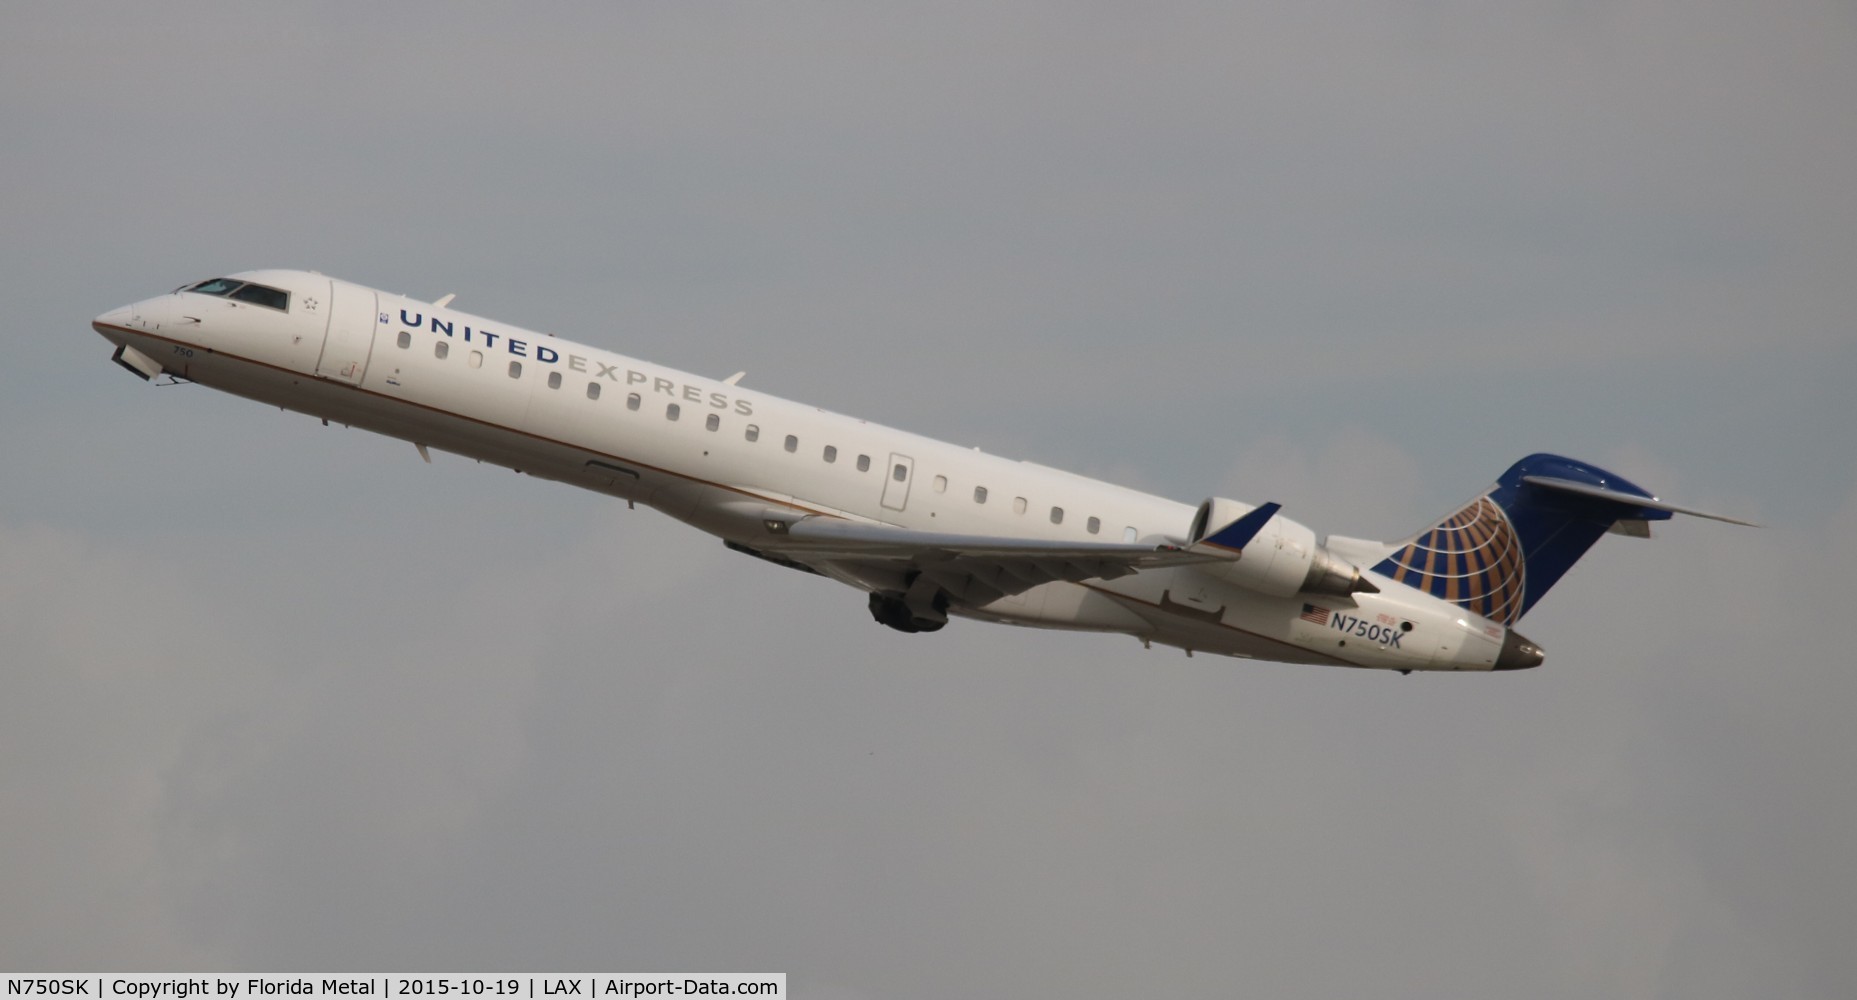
[830, 535]
[973, 569]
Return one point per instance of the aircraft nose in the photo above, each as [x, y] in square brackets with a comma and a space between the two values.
[115, 317]
[1518, 653]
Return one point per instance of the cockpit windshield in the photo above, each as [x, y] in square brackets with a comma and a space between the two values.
[244, 291]
[214, 286]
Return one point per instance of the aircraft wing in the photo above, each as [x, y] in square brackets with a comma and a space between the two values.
[973, 569]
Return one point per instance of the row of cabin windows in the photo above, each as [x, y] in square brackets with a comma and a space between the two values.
[752, 432]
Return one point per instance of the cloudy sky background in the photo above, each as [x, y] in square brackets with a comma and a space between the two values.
[281, 697]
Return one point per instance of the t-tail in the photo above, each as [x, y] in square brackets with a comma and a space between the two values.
[1501, 552]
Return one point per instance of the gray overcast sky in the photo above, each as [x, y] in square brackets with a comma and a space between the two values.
[281, 697]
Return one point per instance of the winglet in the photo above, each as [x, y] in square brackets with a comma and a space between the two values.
[1239, 533]
[445, 300]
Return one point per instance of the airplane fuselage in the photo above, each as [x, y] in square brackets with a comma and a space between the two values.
[744, 465]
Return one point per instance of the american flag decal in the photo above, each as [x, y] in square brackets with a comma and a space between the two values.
[1311, 613]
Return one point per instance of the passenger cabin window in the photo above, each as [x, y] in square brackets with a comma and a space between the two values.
[673, 411]
[632, 401]
[405, 340]
[753, 433]
[980, 494]
[554, 380]
[863, 463]
[477, 359]
[593, 390]
[1018, 505]
[900, 473]
[1128, 534]
[831, 453]
[793, 443]
[1094, 525]
[1057, 515]
[441, 349]
[713, 422]
[941, 484]
[515, 369]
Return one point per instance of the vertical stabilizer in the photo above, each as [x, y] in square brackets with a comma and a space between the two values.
[1501, 552]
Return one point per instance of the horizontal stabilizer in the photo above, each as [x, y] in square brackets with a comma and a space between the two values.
[1627, 499]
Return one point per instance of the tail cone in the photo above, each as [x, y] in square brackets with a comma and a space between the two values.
[1518, 653]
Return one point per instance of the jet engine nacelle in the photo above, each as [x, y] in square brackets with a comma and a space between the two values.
[1282, 559]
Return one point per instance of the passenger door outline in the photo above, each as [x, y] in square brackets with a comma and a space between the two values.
[896, 491]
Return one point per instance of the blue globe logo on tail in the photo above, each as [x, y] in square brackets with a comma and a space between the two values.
[1472, 559]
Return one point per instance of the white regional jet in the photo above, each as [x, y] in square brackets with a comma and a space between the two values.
[928, 529]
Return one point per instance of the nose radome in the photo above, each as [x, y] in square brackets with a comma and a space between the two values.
[115, 317]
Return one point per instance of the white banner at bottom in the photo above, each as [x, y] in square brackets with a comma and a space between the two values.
[453, 986]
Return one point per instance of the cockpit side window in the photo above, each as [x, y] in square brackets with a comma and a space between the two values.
[263, 295]
[215, 286]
